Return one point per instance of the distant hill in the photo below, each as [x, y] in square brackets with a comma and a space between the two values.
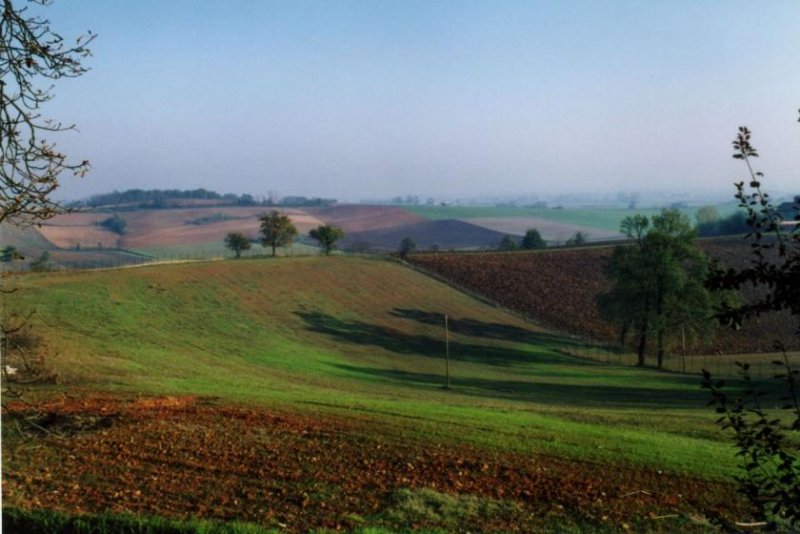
[192, 227]
[354, 218]
[176, 198]
[80, 239]
[164, 198]
[442, 234]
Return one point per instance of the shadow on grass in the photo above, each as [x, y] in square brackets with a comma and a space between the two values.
[363, 333]
[481, 329]
[575, 395]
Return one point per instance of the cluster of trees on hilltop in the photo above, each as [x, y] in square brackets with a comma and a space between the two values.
[160, 198]
[278, 230]
[306, 202]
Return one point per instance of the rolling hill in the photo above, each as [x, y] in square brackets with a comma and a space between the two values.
[442, 234]
[346, 332]
[342, 358]
[195, 229]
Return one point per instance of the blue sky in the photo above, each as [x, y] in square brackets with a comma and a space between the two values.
[449, 99]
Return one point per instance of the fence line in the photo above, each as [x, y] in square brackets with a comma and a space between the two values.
[123, 258]
[722, 365]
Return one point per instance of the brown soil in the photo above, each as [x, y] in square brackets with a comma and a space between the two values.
[191, 457]
[559, 288]
[69, 237]
[152, 228]
[444, 234]
[359, 218]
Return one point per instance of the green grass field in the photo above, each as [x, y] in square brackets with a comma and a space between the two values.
[363, 336]
[601, 218]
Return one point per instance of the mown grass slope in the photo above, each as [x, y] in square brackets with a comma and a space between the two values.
[364, 338]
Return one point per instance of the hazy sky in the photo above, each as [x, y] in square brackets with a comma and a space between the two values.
[461, 98]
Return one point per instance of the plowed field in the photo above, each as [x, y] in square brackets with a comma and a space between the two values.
[560, 288]
[192, 457]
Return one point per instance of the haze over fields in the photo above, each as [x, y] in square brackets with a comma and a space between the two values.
[191, 229]
[360, 100]
[394, 267]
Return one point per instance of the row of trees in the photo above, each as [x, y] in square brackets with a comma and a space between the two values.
[533, 240]
[159, 198]
[530, 241]
[165, 198]
[277, 230]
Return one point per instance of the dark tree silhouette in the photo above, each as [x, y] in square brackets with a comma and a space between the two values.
[277, 230]
[533, 239]
[766, 443]
[407, 246]
[237, 242]
[327, 236]
[30, 165]
[658, 282]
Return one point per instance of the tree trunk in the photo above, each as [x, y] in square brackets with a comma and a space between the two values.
[644, 325]
[660, 312]
[642, 344]
[273, 249]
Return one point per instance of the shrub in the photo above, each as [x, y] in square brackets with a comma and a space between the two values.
[115, 224]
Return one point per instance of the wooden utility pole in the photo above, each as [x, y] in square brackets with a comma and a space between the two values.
[447, 351]
[683, 356]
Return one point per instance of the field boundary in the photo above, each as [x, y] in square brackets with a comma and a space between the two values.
[488, 301]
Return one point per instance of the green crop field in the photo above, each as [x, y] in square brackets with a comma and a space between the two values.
[600, 218]
[346, 334]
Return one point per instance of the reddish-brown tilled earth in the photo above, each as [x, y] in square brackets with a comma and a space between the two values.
[193, 457]
[559, 288]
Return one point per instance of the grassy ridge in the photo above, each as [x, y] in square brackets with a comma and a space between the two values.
[365, 337]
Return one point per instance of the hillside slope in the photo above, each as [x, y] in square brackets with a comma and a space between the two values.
[345, 333]
[301, 393]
